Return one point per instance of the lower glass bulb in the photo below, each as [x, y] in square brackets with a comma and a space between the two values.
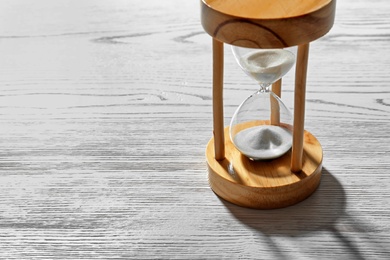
[261, 127]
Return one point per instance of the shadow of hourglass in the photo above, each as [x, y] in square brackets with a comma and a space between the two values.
[327, 203]
[320, 212]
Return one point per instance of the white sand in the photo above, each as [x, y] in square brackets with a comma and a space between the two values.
[266, 66]
[263, 142]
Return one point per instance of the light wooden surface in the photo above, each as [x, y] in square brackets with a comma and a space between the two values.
[105, 113]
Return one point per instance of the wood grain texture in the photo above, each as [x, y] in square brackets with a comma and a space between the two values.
[105, 113]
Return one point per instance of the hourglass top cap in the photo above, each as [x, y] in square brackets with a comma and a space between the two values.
[267, 23]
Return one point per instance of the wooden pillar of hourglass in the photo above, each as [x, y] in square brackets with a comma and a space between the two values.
[294, 176]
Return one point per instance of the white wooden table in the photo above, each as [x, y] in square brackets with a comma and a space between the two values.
[105, 113]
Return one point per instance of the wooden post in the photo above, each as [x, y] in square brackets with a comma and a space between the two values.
[299, 107]
[275, 109]
[219, 137]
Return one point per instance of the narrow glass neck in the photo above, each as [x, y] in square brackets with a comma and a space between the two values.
[264, 87]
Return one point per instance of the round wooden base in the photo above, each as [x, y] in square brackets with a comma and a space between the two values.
[264, 184]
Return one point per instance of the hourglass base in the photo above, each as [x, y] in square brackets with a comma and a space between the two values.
[264, 184]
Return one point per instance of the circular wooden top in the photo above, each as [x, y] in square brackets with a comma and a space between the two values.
[267, 23]
[267, 9]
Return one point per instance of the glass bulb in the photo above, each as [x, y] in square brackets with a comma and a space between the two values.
[261, 127]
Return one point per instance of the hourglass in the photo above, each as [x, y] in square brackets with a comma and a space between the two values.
[265, 159]
[261, 127]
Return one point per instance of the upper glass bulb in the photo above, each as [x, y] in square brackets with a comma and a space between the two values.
[265, 66]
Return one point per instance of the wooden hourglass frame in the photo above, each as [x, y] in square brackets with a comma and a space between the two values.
[266, 24]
